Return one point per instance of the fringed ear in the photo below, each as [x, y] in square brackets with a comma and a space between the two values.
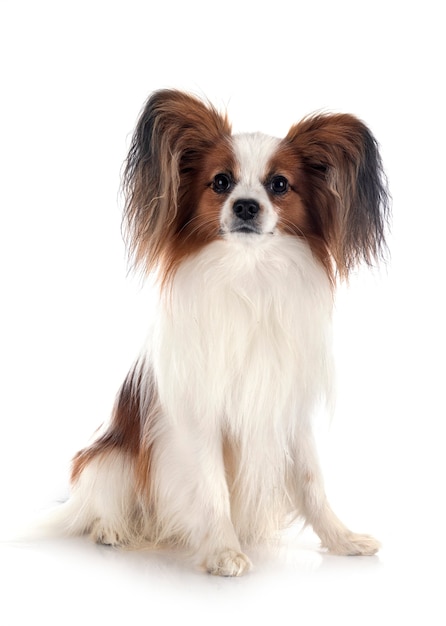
[173, 134]
[345, 190]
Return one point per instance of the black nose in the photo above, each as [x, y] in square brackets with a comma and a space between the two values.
[246, 209]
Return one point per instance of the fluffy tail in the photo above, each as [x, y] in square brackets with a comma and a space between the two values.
[66, 519]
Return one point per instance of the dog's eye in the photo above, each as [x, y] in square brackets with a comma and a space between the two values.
[221, 183]
[278, 184]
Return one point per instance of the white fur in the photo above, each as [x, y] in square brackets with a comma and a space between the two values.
[241, 351]
[240, 356]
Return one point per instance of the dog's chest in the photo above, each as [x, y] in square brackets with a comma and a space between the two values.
[243, 335]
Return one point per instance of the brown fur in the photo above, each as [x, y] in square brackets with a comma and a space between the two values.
[343, 187]
[174, 135]
[126, 431]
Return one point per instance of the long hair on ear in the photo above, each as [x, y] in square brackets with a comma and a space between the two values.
[172, 137]
[345, 190]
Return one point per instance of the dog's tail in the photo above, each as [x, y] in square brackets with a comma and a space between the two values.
[62, 520]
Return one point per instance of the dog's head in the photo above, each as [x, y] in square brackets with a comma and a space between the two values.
[189, 181]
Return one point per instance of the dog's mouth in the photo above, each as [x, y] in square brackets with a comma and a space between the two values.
[245, 228]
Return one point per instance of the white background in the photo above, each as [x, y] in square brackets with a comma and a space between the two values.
[74, 76]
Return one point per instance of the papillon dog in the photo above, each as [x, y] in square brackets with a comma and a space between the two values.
[210, 443]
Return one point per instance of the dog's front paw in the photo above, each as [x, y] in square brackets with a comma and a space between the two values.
[352, 544]
[228, 563]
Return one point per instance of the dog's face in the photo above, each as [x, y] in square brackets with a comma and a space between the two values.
[251, 189]
[189, 181]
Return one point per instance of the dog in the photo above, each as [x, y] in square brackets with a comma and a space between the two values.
[210, 443]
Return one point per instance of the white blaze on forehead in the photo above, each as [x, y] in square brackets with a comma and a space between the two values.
[253, 152]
